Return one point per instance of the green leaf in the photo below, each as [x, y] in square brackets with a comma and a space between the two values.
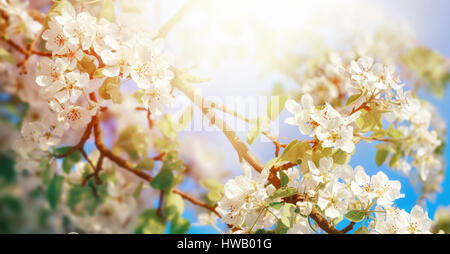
[173, 162]
[294, 152]
[62, 150]
[163, 180]
[284, 178]
[54, 191]
[110, 90]
[355, 215]
[45, 171]
[276, 205]
[70, 160]
[107, 11]
[352, 99]
[393, 133]
[185, 118]
[134, 140]
[215, 189]
[287, 215]
[275, 106]
[146, 164]
[340, 157]
[7, 172]
[381, 156]
[280, 228]
[395, 158]
[362, 230]
[82, 200]
[173, 206]
[179, 225]
[138, 190]
[283, 193]
[214, 196]
[440, 149]
[150, 223]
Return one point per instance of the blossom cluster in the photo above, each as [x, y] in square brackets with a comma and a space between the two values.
[337, 190]
[90, 57]
[376, 98]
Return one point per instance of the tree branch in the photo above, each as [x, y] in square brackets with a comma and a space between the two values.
[242, 149]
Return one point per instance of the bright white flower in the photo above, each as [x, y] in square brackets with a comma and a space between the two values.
[378, 187]
[148, 66]
[385, 191]
[360, 70]
[243, 196]
[305, 208]
[75, 117]
[302, 113]
[157, 97]
[71, 90]
[51, 72]
[386, 77]
[81, 29]
[333, 199]
[396, 221]
[44, 134]
[418, 221]
[56, 40]
[334, 130]
[323, 173]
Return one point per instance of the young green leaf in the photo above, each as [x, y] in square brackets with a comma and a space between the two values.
[146, 164]
[283, 178]
[173, 206]
[54, 191]
[150, 222]
[381, 156]
[163, 180]
[355, 215]
[283, 193]
[179, 225]
[352, 99]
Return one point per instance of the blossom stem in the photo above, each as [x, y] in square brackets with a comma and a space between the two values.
[243, 150]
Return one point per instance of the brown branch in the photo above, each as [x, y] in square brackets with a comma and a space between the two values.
[325, 224]
[241, 148]
[196, 201]
[221, 107]
[160, 205]
[80, 145]
[238, 145]
[110, 155]
[127, 165]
